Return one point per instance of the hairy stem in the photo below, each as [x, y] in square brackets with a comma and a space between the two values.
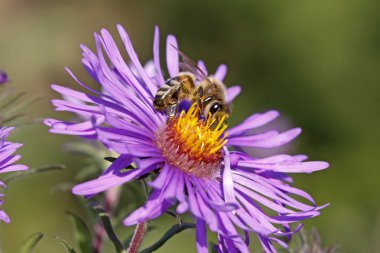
[138, 237]
[99, 237]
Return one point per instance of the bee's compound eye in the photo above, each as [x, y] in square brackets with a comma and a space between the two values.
[215, 107]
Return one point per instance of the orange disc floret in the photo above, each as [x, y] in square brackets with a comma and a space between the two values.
[192, 144]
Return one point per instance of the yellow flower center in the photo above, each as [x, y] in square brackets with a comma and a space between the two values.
[192, 144]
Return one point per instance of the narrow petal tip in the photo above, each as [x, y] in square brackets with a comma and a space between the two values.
[316, 165]
[4, 217]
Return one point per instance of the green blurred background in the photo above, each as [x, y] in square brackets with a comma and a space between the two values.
[318, 62]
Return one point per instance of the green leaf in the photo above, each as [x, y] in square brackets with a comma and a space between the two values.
[104, 217]
[23, 124]
[30, 243]
[175, 229]
[11, 118]
[12, 100]
[65, 244]
[5, 92]
[62, 187]
[11, 108]
[17, 107]
[82, 234]
[21, 174]
[87, 172]
[93, 151]
[84, 149]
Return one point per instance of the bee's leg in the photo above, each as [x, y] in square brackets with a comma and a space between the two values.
[172, 111]
[175, 95]
[173, 107]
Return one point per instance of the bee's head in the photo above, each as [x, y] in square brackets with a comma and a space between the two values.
[218, 111]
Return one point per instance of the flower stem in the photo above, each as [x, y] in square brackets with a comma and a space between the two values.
[138, 237]
[110, 201]
[99, 236]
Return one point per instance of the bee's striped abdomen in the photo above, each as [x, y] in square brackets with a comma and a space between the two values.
[173, 91]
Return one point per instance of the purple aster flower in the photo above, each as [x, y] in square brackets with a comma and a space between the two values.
[197, 169]
[7, 158]
[3, 77]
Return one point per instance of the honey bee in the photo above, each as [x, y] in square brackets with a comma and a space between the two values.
[209, 93]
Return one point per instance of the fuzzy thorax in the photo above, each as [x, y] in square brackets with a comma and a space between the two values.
[192, 144]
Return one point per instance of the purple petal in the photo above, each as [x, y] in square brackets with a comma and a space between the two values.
[295, 191]
[151, 71]
[270, 191]
[183, 205]
[111, 180]
[119, 164]
[304, 167]
[216, 198]
[172, 56]
[156, 56]
[71, 93]
[250, 139]
[232, 92]
[279, 140]
[226, 207]
[264, 201]
[62, 127]
[8, 148]
[3, 77]
[275, 184]
[272, 141]
[134, 58]
[301, 158]
[154, 207]
[124, 72]
[159, 201]
[4, 132]
[253, 121]
[192, 199]
[80, 109]
[228, 187]
[160, 181]
[15, 167]
[172, 188]
[279, 159]
[256, 212]
[201, 236]
[221, 72]
[266, 244]
[208, 214]
[4, 217]
[233, 241]
[203, 67]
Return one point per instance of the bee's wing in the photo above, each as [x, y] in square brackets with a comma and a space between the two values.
[186, 67]
[187, 64]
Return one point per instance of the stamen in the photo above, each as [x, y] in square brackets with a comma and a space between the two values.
[192, 144]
